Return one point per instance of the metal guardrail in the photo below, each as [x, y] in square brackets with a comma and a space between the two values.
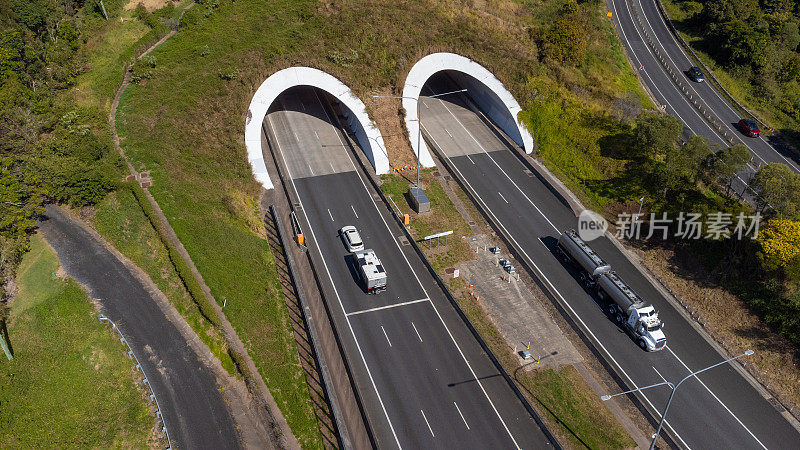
[103, 318]
[707, 70]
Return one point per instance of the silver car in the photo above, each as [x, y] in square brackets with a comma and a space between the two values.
[351, 238]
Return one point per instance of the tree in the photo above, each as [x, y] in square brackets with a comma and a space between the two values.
[12, 49]
[655, 134]
[789, 35]
[692, 155]
[20, 201]
[726, 163]
[779, 244]
[721, 11]
[741, 44]
[779, 188]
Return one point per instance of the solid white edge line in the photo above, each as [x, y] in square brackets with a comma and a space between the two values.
[338, 298]
[493, 160]
[555, 291]
[462, 415]
[426, 294]
[717, 399]
[427, 423]
[655, 86]
[655, 38]
[393, 305]
[711, 87]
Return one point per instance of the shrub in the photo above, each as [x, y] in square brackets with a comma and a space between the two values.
[779, 243]
[566, 41]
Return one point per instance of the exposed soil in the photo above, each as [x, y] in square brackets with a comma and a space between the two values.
[389, 114]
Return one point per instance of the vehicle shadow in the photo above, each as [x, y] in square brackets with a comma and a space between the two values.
[351, 262]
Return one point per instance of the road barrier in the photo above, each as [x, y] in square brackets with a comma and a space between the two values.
[705, 68]
[330, 393]
[131, 354]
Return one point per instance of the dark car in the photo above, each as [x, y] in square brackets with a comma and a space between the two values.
[749, 127]
[696, 74]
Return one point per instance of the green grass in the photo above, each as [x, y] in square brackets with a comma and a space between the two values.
[107, 52]
[580, 144]
[185, 125]
[70, 383]
[567, 404]
[443, 217]
[120, 220]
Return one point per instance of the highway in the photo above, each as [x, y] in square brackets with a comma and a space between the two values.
[655, 76]
[718, 410]
[423, 379]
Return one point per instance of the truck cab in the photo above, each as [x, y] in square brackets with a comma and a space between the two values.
[647, 327]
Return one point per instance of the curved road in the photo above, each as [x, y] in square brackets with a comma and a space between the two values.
[194, 410]
[639, 21]
[719, 409]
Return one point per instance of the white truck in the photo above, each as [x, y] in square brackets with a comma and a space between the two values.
[371, 271]
[638, 318]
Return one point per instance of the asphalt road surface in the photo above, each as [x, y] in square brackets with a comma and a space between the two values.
[653, 74]
[423, 379]
[194, 411]
[718, 410]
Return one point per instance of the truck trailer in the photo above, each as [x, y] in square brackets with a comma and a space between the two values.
[371, 271]
[622, 304]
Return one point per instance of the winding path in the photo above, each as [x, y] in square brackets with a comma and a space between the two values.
[271, 414]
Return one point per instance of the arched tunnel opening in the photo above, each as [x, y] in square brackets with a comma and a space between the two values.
[483, 101]
[302, 126]
[465, 91]
[310, 107]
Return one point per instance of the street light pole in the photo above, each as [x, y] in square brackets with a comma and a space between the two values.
[674, 388]
[641, 203]
[419, 119]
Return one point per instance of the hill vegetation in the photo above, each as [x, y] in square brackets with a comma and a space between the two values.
[753, 47]
[70, 383]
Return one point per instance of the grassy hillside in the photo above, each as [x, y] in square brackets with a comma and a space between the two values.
[184, 122]
[70, 383]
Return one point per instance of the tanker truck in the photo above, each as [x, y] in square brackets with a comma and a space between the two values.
[621, 303]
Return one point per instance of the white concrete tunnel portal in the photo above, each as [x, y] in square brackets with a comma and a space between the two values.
[367, 134]
[482, 86]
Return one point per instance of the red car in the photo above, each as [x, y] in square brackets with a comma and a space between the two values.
[749, 127]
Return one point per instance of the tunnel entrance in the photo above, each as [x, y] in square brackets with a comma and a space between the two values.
[303, 128]
[437, 73]
[341, 102]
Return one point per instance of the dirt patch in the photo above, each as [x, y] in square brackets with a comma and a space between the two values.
[776, 362]
[388, 114]
[150, 5]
